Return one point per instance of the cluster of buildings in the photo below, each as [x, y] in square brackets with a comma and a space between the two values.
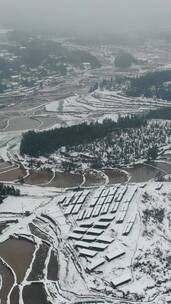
[92, 216]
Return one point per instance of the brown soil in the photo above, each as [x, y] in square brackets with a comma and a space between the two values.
[116, 176]
[4, 164]
[18, 254]
[7, 282]
[66, 180]
[93, 180]
[39, 177]
[12, 175]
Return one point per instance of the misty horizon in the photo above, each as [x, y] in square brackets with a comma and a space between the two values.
[86, 17]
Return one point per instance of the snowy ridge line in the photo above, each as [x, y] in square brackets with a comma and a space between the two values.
[38, 243]
[10, 170]
[52, 287]
[27, 173]
[97, 297]
[14, 276]
[0, 282]
[129, 178]
[110, 299]
[49, 297]
[29, 238]
[11, 213]
[136, 248]
[139, 234]
[45, 270]
[84, 180]
[75, 260]
[47, 217]
[6, 168]
[50, 225]
[64, 293]
[41, 230]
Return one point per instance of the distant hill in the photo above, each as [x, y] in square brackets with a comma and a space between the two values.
[124, 60]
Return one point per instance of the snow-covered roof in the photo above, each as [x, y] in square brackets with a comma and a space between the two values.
[87, 252]
[121, 280]
[114, 254]
[96, 263]
[95, 231]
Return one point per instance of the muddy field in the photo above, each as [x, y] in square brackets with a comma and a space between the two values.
[12, 175]
[53, 267]
[39, 177]
[37, 271]
[14, 296]
[142, 173]
[35, 294]
[66, 180]
[7, 282]
[13, 251]
[4, 165]
[93, 180]
[3, 170]
[116, 176]
[165, 167]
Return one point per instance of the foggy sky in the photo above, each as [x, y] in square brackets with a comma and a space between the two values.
[88, 16]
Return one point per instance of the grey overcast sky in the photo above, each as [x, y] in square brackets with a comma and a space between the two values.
[86, 15]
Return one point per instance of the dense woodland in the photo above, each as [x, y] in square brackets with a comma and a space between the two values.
[36, 51]
[7, 190]
[46, 142]
[153, 84]
[121, 148]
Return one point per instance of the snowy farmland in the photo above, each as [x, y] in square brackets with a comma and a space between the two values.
[98, 106]
[89, 245]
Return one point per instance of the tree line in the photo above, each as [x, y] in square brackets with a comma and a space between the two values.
[7, 190]
[46, 142]
[161, 113]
